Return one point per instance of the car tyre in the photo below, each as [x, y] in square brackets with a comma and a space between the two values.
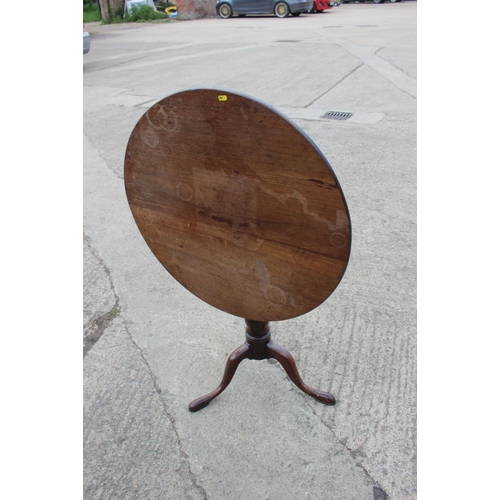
[281, 9]
[378, 1]
[225, 11]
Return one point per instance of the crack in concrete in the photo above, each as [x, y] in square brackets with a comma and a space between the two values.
[343, 442]
[353, 453]
[158, 390]
[122, 63]
[378, 492]
[96, 149]
[102, 322]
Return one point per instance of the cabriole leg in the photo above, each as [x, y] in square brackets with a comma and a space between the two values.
[288, 363]
[232, 364]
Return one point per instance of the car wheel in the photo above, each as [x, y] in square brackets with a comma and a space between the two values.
[378, 1]
[281, 9]
[225, 11]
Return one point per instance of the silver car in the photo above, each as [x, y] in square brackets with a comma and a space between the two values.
[86, 41]
[280, 8]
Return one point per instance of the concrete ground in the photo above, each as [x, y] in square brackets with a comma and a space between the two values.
[150, 347]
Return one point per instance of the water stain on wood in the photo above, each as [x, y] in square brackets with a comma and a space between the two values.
[263, 222]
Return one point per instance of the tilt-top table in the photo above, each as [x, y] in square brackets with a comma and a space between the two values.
[241, 207]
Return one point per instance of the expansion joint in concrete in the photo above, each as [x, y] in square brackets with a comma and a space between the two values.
[347, 75]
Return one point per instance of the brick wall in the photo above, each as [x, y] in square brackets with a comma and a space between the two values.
[195, 9]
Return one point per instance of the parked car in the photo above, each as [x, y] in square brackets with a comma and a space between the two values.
[280, 8]
[86, 40]
[321, 5]
[374, 1]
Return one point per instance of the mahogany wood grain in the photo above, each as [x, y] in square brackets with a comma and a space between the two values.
[258, 345]
[238, 204]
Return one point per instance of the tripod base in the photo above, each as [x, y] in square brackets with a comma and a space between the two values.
[258, 345]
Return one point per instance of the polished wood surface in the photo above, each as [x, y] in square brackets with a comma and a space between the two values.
[237, 204]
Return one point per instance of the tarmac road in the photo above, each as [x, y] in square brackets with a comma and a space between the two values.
[151, 347]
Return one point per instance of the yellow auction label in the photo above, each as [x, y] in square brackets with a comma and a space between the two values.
[223, 98]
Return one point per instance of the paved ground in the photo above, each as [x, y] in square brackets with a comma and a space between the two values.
[151, 347]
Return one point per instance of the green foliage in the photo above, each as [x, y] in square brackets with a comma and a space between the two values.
[144, 13]
[117, 17]
[162, 4]
[91, 12]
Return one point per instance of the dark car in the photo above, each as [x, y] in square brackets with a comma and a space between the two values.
[280, 8]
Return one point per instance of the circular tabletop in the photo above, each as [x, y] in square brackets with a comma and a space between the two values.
[238, 204]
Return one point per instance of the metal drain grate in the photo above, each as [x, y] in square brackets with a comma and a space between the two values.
[337, 115]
